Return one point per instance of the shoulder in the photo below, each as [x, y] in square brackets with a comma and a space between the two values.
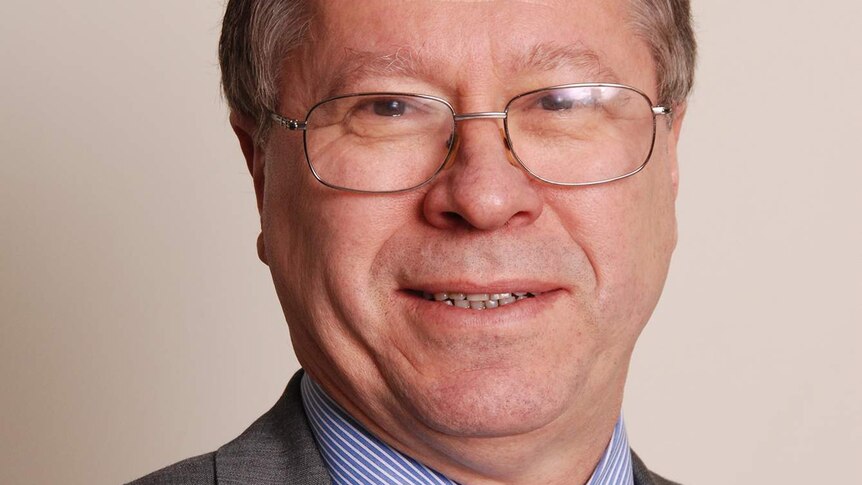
[657, 480]
[278, 448]
[643, 476]
[198, 470]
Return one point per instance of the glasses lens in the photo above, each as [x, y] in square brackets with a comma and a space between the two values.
[378, 142]
[582, 134]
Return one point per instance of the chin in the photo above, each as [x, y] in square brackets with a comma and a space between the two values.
[489, 403]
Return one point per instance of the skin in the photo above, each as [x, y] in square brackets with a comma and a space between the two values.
[528, 393]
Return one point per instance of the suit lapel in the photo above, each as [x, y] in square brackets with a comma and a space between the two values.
[278, 448]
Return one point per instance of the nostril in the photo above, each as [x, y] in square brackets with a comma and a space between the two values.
[453, 218]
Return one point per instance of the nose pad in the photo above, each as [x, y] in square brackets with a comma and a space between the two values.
[506, 142]
[453, 143]
[513, 161]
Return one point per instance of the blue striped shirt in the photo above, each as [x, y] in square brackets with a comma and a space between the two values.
[354, 456]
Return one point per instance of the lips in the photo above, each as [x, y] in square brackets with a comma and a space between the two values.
[478, 301]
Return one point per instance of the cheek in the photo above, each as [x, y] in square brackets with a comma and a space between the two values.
[627, 229]
[287, 221]
[646, 240]
[325, 242]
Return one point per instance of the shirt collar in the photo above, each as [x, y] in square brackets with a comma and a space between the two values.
[354, 456]
[615, 467]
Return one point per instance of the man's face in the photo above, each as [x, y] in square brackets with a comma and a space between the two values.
[350, 269]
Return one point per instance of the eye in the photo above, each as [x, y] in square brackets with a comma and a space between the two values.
[389, 107]
[556, 101]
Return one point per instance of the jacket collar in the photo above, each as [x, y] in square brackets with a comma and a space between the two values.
[277, 449]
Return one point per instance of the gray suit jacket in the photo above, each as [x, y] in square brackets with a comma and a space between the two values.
[279, 449]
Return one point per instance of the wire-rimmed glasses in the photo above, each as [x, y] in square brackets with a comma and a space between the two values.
[573, 134]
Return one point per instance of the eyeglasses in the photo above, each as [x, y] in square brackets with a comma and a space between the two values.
[571, 135]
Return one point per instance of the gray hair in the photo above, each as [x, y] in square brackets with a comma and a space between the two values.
[258, 35]
[666, 27]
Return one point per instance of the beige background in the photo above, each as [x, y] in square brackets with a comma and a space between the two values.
[138, 328]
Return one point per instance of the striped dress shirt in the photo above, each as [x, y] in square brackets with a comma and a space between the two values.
[354, 456]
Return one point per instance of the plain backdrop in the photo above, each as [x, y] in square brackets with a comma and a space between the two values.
[137, 326]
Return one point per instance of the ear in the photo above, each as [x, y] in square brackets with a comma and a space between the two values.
[672, 141]
[245, 127]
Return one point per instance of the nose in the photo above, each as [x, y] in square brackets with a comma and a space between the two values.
[482, 187]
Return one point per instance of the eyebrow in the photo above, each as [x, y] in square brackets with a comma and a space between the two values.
[358, 64]
[544, 57]
[404, 61]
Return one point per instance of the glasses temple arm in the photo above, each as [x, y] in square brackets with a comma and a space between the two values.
[288, 123]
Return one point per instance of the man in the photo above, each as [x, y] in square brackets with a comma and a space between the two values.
[468, 211]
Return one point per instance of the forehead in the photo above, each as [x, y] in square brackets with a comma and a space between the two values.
[458, 46]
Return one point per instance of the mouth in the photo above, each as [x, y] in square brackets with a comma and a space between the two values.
[478, 301]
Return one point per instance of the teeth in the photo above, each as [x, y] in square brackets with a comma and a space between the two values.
[478, 301]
